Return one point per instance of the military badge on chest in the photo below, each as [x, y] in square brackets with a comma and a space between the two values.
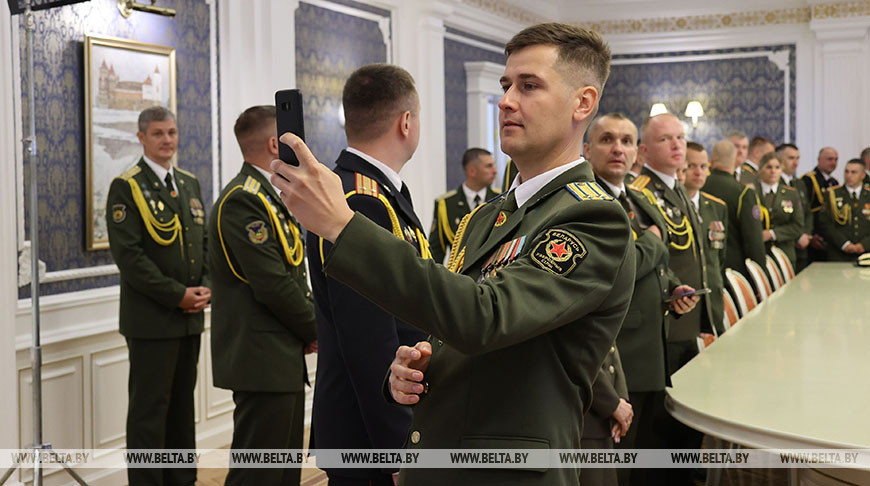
[503, 256]
[197, 211]
[716, 234]
[866, 211]
[787, 207]
[410, 235]
[559, 252]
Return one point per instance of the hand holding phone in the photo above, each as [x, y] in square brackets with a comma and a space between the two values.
[698, 292]
[288, 105]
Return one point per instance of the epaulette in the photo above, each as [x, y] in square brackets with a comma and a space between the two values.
[129, 173]
[640, 182]
[832, 189]
[788, 187]
[367, 186]
[252, 185]
[446, 195]
[588, 191]
[714, 198]
[811, 173]
[188, 174]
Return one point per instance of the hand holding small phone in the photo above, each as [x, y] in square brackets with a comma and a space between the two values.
[288, 105]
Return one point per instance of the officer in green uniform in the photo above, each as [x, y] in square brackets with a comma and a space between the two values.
[743, 230]
[749, 170]
[611, 148]
[817, 181]
[790, 157]
[156, 224]
[513, 351]
[510, 173]
[262, 311]
[450, 208]
[608, 419]
[845, 218]
[712, 221]
[785, 221]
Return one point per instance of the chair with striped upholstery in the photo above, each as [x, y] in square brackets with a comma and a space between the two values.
[762, 284]
[774, 272]
[731, 315]
[784, 263]
[742, 291]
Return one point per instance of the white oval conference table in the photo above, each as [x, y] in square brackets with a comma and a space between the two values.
[794, 373]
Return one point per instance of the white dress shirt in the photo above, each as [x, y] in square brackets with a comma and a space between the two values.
[527, 189]
[391, 175]
[469, 196]
[160, 171]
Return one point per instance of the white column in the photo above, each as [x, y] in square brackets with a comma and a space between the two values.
[419, 43]
[481, 81]
[842, 92]
[257, 46]
[8, 239]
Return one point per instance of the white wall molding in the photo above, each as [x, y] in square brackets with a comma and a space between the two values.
[482, 82]
[480, 22]
[257, 57]
[9, 238]
[215, 106]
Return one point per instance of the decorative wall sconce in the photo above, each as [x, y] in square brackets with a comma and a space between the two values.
[126, 8]
[694, 110]
[658, 109]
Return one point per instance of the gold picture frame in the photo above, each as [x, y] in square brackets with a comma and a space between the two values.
[122, 77]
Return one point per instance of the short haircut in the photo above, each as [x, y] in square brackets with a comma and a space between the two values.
[252, 124]
[826, 148]
[766, 158]
[472, 154]
[865, 153]
[697, 147]
[373, 96]
[723, 151]
[152, 114]
[855, 161]
[757, 142]
[736, 134]
[781, 147]
[613, 115]
[583, 54]
[646, 123]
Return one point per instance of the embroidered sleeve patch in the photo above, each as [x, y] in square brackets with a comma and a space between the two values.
[258, 232]
[559, 253]
[119, 213]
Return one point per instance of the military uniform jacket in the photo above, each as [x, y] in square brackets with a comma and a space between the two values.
[450, 208]
[357, 340]
[687, 251]
[744, 239]
[845, 220]
[713, 216]
[748, 175]
[158, 243]
[786, 219]
[816, 185]
[510, 173]
[608, 388]
[643, 336]
[262, 311]
[801, 187]
[515, 350]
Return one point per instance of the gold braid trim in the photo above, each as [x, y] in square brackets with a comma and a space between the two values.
[444, 230]
[221, 234]
[678, 229]
[172, 226]
[454, 264]
[293, 255]
[841, 215]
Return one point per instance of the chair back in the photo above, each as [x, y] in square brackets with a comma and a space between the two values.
[741, 290]
[762, 285]
[774, 272]
[730, 316]
[784, 263]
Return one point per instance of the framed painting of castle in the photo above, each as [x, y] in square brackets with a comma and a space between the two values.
[122, 78]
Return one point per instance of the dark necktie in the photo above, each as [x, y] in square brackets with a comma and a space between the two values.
[406, 194]
[854, 196]
[169, 185]
[768, 198]
[635, 225]
[510, 203]
[476, 201]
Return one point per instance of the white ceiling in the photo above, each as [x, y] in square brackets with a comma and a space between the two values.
[587, 10]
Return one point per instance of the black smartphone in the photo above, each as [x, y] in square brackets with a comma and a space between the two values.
[688, 294]
[288, 104]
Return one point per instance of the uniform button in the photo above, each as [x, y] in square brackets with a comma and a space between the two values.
[190, 245]
[611, 369]
[612, 350]
[192, 261]
[425, 387]
[440, 343]
[667, 312]
[415, 437]
[307, 294]
[186, 228]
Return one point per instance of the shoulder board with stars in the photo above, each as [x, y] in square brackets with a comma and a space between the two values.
[251, 185]
[129, 173]
[367, 186]
[787, 187]
[713, 198]
[640, 182]
[588, 191]
[188, 174]
[446, 195]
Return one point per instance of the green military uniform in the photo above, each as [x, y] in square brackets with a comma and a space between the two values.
[713, 216]
[515, 351]
[629, 178]
[744, 239]
[815, 185]
[786, 218]
[802, 254]
[262, 318]
[748, 175]
[608, 388]
[450, 208]
[157, 239]
[510, 173]
[844, 219]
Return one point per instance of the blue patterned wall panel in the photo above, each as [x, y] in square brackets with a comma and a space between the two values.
[329, 47]
[737, 94]
[456, 54]
[59, 92]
